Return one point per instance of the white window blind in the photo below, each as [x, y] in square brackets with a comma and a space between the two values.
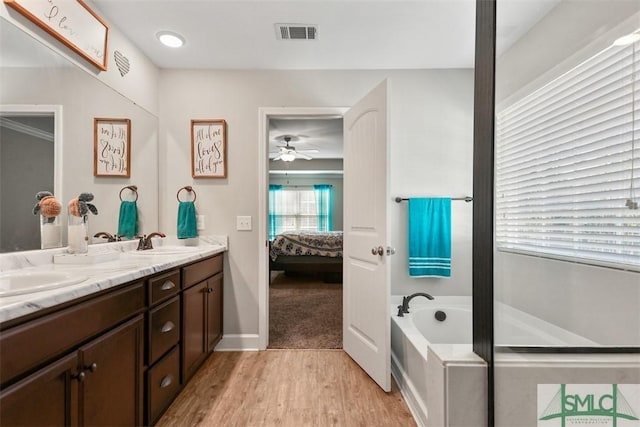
[567, 165]
[295, 210]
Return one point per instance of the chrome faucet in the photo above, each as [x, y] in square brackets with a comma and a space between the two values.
[404, 307]
[110, 237]
[145, 241]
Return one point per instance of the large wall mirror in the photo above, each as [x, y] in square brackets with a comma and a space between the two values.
[47, 111]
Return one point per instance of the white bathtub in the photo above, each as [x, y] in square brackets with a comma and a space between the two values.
[443, 381]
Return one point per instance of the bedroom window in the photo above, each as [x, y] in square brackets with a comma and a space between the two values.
[568, 167]
[295, 208]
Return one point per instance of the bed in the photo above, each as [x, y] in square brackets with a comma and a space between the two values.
[308, 252]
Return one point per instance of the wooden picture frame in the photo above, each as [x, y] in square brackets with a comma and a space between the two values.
[209, 148]
[73, 23]
[111, 147]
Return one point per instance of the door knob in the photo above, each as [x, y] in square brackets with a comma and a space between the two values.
[377, 251]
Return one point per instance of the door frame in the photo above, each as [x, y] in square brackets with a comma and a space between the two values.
[264, 114]
[39, 110]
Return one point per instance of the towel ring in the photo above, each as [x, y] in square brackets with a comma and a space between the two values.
[133, 189]
[189, 189]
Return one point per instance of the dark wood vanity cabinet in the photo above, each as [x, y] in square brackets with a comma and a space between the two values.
[96, 383]
[116, 359]
[163, 344]
[201, 313]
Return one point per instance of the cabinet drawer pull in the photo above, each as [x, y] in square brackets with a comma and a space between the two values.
[93, 367]
[166, 381]
[168, 285]
[167, 327]
[80, 376]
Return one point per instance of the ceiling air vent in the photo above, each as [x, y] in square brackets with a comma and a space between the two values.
[296, 32]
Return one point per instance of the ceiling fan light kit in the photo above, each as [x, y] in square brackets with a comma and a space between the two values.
[288, 153]
[288, 157]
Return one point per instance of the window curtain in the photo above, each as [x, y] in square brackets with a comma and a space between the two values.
[324, 201]
[275, 200]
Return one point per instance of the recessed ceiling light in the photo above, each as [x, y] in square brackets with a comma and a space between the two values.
[627, 40]
[170, 39]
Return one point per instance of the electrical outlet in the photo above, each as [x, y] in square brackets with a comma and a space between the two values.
[243, 223]
[200, 219]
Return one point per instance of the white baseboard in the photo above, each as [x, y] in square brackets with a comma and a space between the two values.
[239, 342]
[408, 391]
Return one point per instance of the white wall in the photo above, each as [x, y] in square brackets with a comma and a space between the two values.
[140, 84]
[432, 155]
[596, 302]
[431, 138]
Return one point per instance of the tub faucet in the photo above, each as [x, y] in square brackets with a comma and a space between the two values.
[404, 308]
[145, 241]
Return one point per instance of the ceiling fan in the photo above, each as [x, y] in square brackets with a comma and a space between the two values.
[288, 153]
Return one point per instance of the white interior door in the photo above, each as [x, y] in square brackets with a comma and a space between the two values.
[366, 282]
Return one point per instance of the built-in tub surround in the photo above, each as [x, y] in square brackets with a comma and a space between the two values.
[441, 378]
[128, 267]
[444, 382]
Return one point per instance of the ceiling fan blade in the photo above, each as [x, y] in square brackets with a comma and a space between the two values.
[278, 157]
[303, 156]
[308, 151]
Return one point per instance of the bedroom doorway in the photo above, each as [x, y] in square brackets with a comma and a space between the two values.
[302, 295]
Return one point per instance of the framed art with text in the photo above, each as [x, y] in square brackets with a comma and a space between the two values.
[112, 147]
[209, 148]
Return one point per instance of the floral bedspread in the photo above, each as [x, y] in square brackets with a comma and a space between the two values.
[326, 243]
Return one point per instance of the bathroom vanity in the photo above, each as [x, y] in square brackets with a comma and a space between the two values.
[116, 356]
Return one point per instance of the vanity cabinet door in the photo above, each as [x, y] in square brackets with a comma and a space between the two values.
[214, 311]
[111, 393]
[194, 345]
[46, 398]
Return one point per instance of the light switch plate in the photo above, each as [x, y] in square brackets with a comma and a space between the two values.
[200, 219]
[243, 223]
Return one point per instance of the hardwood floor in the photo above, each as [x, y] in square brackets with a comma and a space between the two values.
[285, 387]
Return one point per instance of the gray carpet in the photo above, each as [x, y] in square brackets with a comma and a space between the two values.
[304, 312]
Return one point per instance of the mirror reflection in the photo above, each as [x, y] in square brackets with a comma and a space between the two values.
[42, 152]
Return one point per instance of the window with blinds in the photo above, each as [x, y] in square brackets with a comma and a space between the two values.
[567, 165]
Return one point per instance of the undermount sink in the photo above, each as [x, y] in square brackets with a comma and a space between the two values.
[28, 282]
[167, 250]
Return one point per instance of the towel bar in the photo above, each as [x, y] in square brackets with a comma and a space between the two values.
[465, 198]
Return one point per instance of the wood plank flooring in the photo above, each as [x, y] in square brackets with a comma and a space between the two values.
[285, 388]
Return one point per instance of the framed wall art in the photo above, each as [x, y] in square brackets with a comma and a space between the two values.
[73, 23]
[209, 148]
[112, 147]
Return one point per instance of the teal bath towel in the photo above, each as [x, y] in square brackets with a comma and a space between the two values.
[430, 237]
[128, 219]
[187, 221]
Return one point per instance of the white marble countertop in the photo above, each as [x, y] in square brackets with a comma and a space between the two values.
[129, 266]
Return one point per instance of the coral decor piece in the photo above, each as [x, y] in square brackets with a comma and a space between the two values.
[80, 206]
[47, 206]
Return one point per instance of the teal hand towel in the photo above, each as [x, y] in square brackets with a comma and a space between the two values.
[128, 219]
[187, 221]
[430, 237]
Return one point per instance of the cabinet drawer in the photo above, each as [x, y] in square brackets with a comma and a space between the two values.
[162, 384]
[164, 328]
[163, 287]
[201, 270]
